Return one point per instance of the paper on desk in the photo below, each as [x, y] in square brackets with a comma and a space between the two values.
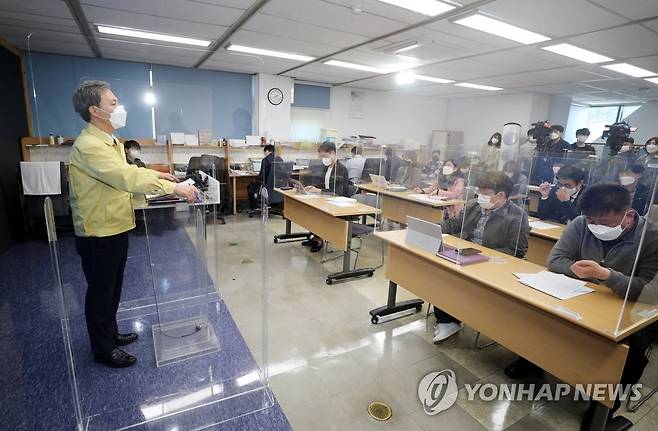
[541, 225]
[309, 196]
[428, 198]
[557, 285]
[341, 204]
[341, 199]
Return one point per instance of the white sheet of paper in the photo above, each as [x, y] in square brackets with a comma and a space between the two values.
[541, 225]
[341, 204]
[309, 196]
[557, 285]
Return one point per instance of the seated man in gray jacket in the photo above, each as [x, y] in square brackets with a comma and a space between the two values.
[601, 246]
[491, 220]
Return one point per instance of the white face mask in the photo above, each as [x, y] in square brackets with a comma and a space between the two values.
[556, 169]
[652, 148]
[626, 180]
[134, 154]
[554, 135]
[606, 233]
[625, 148]
[485, 202]
[494, 140]
[532, 140]
[509, 174]
[448, 170]
[580, 140]
[117, 117]
[326, 161]
[570, 191]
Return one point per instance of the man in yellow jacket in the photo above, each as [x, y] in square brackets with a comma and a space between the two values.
[101, 187]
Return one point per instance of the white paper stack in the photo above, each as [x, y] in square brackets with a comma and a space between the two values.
[426, 198]
[341, 201]
[541, 225]
[557, 285]
[177, 138]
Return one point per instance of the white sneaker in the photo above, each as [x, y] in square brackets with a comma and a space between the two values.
[446, 330]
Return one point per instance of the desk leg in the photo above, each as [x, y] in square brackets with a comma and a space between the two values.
[235, 197]
[411, 306]
[289, 236]
[347, 272]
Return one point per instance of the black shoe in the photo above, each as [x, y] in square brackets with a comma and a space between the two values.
[522, 368]
[116, 359]
[125, 339]
[317, 246]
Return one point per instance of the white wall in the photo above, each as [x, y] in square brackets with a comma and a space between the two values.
[391, 117]
[480, 117]
[645, 121]
[272, 121]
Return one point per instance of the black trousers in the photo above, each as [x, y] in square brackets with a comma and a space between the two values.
[443, 317]
[103, 262]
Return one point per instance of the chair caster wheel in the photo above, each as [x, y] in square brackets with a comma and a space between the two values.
[370, 274]
[419, 307]
[329, 281]
[374, 320]
[276, 240]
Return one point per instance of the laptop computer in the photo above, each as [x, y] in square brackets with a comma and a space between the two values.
[299, 187]
[380, 180]
[423, 234]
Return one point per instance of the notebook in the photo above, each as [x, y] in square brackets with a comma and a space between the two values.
[450, 253]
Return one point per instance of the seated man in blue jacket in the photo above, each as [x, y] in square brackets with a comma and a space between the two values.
[601, 245]
[559, 203]
[491, 220]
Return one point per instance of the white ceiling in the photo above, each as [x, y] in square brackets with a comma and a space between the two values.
[331, 28]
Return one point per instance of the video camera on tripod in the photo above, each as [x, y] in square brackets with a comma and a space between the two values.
[616, 134]
[540, 131]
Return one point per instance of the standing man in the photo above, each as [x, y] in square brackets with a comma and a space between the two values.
[101, 187]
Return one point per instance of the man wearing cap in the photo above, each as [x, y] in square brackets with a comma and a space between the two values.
[581, 149]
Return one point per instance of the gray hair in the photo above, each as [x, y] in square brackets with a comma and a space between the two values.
[88, 94]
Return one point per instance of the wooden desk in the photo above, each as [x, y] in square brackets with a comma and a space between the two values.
[240, 192]
[397, 206]
[328, 221]
[573, 339]
[541, 242]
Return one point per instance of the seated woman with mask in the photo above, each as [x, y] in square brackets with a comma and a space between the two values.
[450, 184]
[630, 177]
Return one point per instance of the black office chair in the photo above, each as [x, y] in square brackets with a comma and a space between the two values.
[278, 176]
[33, 217]
[636, 406]
[216, 167]
[371, 166]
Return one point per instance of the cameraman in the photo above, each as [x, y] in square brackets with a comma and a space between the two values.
[548, 153]
[581, 149]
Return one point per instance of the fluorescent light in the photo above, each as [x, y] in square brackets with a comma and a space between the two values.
[406, 57]
[122, 31]
[426, 7]
[347, 65]
[629, 69]
[268, 52]
[654, 80]
[149, 99]
[578, 53]
[406, 48]
[405, 77]
[502, 29]
[433, 79]
[478, 86]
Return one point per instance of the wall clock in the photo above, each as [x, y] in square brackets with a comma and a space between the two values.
[275, 96]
